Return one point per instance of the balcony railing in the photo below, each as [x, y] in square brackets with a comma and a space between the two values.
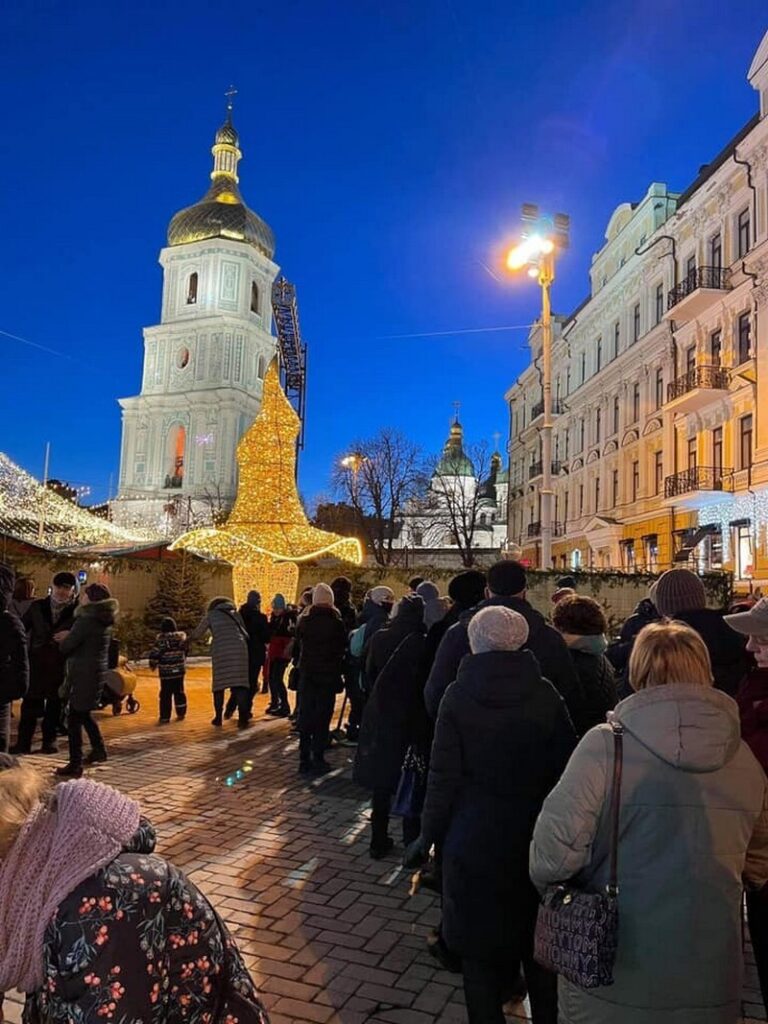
[537, 469]
[538, 409]
[699, 478]
[715, 278]
[534, 529]
[715, 378]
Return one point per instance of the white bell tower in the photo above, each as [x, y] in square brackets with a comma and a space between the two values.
[205, 361]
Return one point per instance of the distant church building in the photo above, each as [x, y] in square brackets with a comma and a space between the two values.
[205, 361]
[455, 493]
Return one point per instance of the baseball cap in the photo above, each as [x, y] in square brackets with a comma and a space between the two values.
[751, 623]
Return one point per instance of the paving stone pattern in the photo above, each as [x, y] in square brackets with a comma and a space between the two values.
[330, 936]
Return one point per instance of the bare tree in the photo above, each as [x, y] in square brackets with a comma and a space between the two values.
[456, 499]
[379, 479]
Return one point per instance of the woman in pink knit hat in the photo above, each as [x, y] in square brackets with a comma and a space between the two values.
[94, 926]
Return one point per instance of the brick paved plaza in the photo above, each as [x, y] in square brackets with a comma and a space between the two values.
[330, 935]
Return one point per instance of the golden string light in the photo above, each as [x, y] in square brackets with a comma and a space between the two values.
[25, 504]
[267, 533]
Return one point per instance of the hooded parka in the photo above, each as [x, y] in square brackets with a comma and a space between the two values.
[693, 821]
[86, 648]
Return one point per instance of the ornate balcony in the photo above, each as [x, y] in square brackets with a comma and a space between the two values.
[697, 387]
[696, 292]
[534, 530]
[699, 486]
[538, 410]
[536, 469]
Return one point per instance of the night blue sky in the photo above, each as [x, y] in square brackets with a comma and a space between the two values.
[389, 144]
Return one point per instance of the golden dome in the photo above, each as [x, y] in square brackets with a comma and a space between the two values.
[221, 213]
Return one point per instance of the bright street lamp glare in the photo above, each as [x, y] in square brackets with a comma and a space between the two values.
[547, 246]
[516, 258]
[533, 272]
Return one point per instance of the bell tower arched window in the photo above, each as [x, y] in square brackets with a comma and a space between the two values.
[177, 440]
[254, 297]
[192, 289]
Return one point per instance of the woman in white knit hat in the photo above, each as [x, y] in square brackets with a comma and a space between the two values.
[502, 740]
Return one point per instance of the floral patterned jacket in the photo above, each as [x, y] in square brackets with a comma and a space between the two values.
[138, 943]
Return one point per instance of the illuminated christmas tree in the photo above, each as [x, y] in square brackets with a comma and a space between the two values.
[267, 532]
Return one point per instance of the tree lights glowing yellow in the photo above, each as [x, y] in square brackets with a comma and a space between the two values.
[267, 532]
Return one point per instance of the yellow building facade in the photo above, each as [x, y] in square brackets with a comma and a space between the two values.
[660, 383]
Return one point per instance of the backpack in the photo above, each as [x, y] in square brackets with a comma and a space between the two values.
[357, 642]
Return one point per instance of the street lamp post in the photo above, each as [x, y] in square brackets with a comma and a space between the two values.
[542, 237]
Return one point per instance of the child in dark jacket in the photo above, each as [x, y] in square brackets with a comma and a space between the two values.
[169, 656]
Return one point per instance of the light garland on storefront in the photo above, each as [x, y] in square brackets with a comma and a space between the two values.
[267, 533]
[753, 507]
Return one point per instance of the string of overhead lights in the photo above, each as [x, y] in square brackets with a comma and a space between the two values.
[38, 515]
[267, 533]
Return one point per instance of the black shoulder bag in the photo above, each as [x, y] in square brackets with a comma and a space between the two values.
[577, 932]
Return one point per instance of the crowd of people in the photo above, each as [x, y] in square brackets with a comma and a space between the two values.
[486, 727]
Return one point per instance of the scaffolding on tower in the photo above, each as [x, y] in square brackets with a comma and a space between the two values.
[292, 350]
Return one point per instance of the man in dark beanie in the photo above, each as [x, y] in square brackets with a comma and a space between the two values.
[506, 586]
[465, 591]
[44, 617]
[14, 663]
[679, 594]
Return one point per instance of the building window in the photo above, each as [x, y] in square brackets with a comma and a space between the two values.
[254, 297]
[635, 479]
[177, 440]
[691, 453]
[583, 367]
[744, 338]
[192, 289]
[565, 507]
[616, 338]
[568, 381]
[597, 494]
[659, 388]
[717, 452]
[712, 552]
[598, 355]
[616, 415]
[690, 358]
[581, 435]
[628, 551]
[581, 499]
[636, 322]
[659, 303]
[615, 487]
[651, 544]
[598, 424]
[744, 551]
[658, 472]
[716, 347]
[635, 403]
[690, 270]
[745, 442]
[565, 444]
[716, 251]
[743, 233]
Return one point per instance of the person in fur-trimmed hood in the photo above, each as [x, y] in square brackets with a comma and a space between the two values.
[169, 656]
[86, 648]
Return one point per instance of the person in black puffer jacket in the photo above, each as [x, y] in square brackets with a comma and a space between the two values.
[582, 623]
[394, 718]
[465, 591]
[86, 648]
[14, 659]
[323, 641]
[506, 588]
[680, 595]
[502, 739]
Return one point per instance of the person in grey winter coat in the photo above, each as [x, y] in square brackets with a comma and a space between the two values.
[229, 657]
[693, 823]
[506, 587]
[86, 648]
